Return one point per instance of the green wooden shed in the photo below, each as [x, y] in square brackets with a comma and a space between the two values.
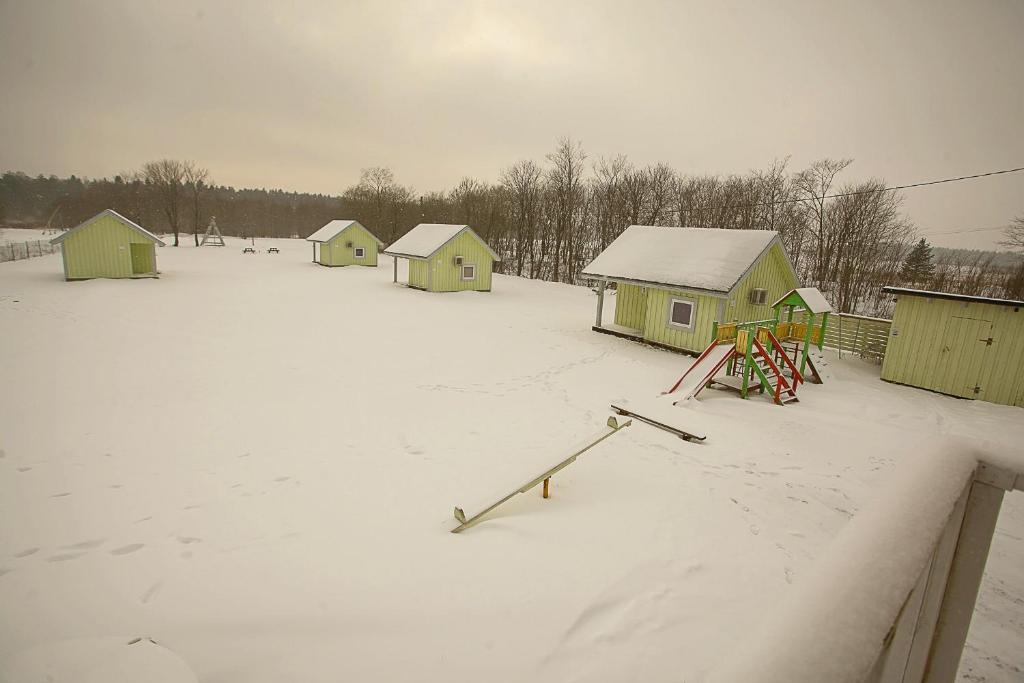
[966, 346]
[673, 285]
[108, 245]
[344, 243]
[445, 258]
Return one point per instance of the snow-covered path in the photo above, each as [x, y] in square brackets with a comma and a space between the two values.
[254, 461]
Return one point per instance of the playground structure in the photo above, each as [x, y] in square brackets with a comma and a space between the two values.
[762, 355]
[212, 236]
[612, 427]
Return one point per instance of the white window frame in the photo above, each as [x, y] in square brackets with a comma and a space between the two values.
[693, 312]
[762, 300]
[359, 252]
[462, 271]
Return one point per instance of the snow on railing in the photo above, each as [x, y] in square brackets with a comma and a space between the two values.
[892, 597]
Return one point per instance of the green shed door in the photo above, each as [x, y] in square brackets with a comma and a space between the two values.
[962, 356]
[142, 259]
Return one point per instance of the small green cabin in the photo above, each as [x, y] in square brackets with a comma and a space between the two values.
[108, 245]
[966, 346]
[445, 258]
[672, 285]
[344, 243]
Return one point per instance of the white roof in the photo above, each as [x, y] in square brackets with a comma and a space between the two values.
[705, 259]
[426, 238]
[335, 228]
[812, 297]
[130, 223]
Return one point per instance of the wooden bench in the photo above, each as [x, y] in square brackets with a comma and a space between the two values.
[273, 250]
[248, 250]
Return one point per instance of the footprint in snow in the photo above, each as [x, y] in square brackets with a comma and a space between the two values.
[24, 469]
[126, 549]
[26, 552]
[5, 570]
[64, 557]
[187, 540]
[63, 494]
[150, 593]
[3, 454]
[190, 507]
[86, 545]
[143, 519]
[282, 479]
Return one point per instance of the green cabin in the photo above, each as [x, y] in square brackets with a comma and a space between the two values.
[965, 346]
[344, 243]
[108, 245]
[445, 258]
[674, 286]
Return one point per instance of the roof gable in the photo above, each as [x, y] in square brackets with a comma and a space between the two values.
[116, 216]
[704, 259]
[335, 228]
[426, 239]
[808, 297]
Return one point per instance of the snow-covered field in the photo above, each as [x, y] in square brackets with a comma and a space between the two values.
[253, 460]
[19, 235]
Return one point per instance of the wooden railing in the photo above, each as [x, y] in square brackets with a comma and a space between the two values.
[848, 333]
[891, 598]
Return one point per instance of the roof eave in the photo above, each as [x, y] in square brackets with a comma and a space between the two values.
[663, 285]
[923, 293]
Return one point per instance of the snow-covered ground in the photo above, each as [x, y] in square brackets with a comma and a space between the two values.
[253, 460]
[19, 235]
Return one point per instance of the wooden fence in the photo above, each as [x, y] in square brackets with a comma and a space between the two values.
[857, 334]
[17, 251]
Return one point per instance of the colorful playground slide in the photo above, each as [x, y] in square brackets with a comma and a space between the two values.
[701, 372]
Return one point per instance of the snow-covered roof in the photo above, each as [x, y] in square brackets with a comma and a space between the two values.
[128, 222]
[426, 238]
[335, 228]
[705, 259]
[812, 297]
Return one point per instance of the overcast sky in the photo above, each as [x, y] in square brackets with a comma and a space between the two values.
[303, 95]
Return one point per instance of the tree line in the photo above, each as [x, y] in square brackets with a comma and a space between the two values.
[547, 219]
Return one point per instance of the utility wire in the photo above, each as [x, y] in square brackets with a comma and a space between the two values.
[858, 192]
[958, 232]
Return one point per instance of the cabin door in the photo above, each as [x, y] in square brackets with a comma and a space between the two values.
[143, 259]
[963, 356]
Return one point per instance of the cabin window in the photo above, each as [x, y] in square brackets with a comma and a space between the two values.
[360, 252]
[758, 297]
[468, 271]
[680, 313]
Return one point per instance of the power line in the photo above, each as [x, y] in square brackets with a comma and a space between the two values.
[958, 232]
[859, 192]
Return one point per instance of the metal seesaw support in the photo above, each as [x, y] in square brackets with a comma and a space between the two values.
[613, 427]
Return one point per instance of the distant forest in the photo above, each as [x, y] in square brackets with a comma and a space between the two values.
[547, 219]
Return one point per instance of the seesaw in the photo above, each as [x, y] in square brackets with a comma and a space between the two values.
[612, 428]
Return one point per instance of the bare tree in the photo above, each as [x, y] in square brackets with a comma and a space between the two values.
[197, 180]
[1015, 234]
[565, 183]
[167, 177]
[523, 185]
[813, 185]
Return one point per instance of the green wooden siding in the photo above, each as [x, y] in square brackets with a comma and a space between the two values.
[336, 252]
[103, 249]
[630, 306]
[418, 273]
[772, 273]
[941, 345]
[445, 276]
[656, 322]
